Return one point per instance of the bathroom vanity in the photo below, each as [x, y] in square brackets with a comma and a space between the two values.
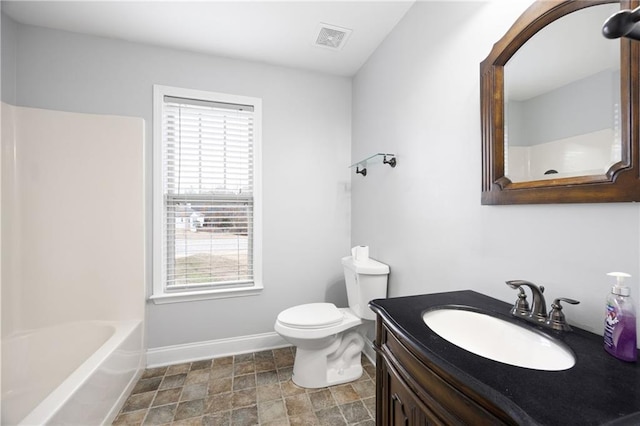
[423, 379]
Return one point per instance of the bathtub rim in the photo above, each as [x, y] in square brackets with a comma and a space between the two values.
[55, 401]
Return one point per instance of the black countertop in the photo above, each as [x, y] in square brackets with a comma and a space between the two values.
[598, 390]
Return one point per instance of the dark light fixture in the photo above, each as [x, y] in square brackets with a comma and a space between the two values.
[623, 24]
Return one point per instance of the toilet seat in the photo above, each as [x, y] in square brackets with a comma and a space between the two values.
[347, 320]
[311, 315]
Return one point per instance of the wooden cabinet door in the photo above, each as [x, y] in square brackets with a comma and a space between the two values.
[400, 406]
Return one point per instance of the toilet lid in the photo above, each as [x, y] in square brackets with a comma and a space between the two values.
[311, 315]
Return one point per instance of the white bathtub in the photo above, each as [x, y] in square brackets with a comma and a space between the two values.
[70, 374]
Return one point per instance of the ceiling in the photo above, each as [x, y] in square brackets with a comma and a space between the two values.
[280, 33]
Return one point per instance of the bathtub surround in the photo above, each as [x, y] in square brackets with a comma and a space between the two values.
[75, 226]
[73, 254]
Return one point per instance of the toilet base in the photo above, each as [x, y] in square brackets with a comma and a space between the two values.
[339, 363]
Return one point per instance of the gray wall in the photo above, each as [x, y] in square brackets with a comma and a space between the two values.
[418, 96]
[9, 46]
[306, 151]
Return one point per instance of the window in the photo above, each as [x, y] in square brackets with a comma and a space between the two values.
[206, 198]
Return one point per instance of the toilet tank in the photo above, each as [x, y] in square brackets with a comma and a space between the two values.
[366, 280]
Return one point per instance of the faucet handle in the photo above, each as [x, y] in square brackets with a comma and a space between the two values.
[556, 318]
[564, 299]
[521, 307]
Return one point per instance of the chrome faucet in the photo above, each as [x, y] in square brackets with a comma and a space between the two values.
[538, 312]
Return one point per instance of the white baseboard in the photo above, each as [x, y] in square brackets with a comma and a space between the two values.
[177, 354]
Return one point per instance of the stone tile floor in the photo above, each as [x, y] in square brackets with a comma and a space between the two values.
[248, 389]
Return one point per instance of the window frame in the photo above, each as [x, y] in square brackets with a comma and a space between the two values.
[160, 294]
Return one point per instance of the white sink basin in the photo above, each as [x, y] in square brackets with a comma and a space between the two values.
[499, 340]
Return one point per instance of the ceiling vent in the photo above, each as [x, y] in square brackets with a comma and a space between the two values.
[332, 37]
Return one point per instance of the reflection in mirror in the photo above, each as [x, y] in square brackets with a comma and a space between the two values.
[562, 100]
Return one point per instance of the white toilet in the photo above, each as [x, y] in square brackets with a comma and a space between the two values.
[328, 339]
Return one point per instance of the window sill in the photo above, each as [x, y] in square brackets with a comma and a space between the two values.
[193, 296]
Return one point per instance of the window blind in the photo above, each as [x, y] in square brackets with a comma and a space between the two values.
[208, 193]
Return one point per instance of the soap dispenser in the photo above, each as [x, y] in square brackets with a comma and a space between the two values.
[620, 321]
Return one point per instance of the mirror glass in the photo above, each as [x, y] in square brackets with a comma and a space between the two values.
[562, 102]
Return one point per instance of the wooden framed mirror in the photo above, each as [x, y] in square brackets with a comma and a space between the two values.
[560, 108]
